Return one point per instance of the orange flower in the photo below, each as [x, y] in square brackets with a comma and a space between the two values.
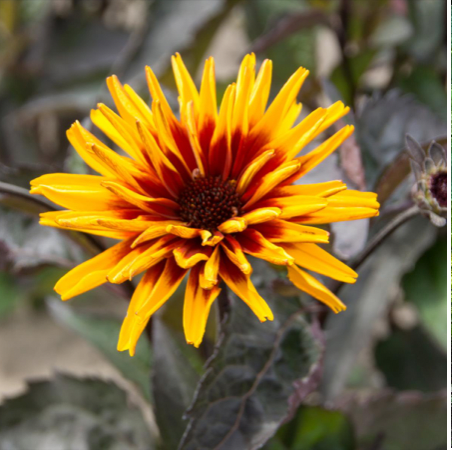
[200, 193]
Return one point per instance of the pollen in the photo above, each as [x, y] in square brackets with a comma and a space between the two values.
[209, 201]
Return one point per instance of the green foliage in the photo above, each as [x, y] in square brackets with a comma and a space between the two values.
[426, 287]
[315, 428]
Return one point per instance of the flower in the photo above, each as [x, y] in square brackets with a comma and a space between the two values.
[430, 171]
[200, 193]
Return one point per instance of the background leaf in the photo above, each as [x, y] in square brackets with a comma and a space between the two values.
[70, 413]
[103, 333]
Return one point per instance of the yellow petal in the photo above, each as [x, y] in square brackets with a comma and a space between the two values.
[208, 276]
[234, 225]
[160, 206]
[77, 192]
[251, 170]
[313, 257]
[284, 231]
[260, 93]
[91, 273]
[235, 253]
[197, 305]
[253, 243]
[152, 295]
[307, 283]
[260, 215]
[191, 253]
[241, 285]
[296, 205]
[271, 180]
[325, 189]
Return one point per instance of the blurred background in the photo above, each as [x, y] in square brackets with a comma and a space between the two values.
[385, 361]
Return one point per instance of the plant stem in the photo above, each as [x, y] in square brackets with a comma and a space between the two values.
[385, 232]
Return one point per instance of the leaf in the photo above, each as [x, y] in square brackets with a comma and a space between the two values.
[173, 28]
[410, 360]
[264, 19]
[246, 391]
[175, 376]
[315, 428]
[70, 413]
[428, 88]
[426, 287]
[382, 124]
[29, 245]
[392, 31]
[405, 420]
[103, 333]
[367, 300]
[427, 38]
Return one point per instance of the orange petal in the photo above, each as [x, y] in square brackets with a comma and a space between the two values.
[208, 275]
[153, 291]
[160, 206]
[260, 93]
[233, 225]
[241, 285]
[319, 189]
[235, 253]
[191, 253]
[316, 156]
[197, 305]
[166, 171]
[313, 257]
[251, 170]
[296, 205]
[284, 231]
[261, 215]
[208, 106]
[91, 273]
[77, 192]
[253, 243]
[307, 283]
[270, 181]
[188, 233]
[220, 156]
[142, 258]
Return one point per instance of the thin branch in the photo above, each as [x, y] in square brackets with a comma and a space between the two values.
[384, 233]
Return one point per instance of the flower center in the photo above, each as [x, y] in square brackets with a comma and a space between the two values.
[438, 187]
[206, 202]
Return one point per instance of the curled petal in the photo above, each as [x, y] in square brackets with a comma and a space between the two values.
[208, 275]
[188, 233]
[234, 252]
[261, 215]
[234, 225]
[191, 253]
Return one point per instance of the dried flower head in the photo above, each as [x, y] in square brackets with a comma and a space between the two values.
[199, 193]
[430, 171]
